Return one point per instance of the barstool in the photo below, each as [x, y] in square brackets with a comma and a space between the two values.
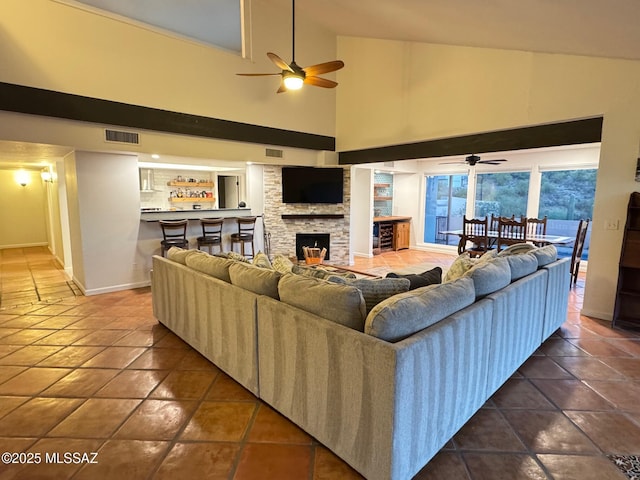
[174, 233]
[211, 233]
[246, 226]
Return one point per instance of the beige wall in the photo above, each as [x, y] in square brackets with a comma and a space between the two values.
[22, 212]
[398, 92]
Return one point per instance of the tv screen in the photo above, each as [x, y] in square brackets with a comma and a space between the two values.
[312, 185]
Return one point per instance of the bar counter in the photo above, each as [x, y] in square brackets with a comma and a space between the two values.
[193, 214]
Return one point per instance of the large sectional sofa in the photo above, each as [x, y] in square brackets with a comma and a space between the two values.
[384, 386]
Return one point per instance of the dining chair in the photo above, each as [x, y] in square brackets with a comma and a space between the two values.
[578, 246]
[537, 226]
[211, 233]
[474, 230]
[493, 224]
[174, 234]
[511, 232]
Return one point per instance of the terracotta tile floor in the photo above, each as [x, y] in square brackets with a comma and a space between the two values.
[99, 374]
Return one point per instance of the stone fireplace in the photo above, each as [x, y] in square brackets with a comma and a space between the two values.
[314, 240]
[284, 220]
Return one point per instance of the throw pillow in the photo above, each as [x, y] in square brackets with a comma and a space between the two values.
[261, 260]
[545, 255]
[233, 256]
[341, 304]
[177, 254]
[319, 272]
[375, 290]
[459, 266]
[417, 280]
[517, 249]
[281, 263]
[255, 279]
[403, 315]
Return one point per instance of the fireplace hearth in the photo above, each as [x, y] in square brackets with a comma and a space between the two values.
[313, 240]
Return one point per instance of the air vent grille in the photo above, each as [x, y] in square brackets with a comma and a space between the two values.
[117, 136]
[389, 164]
[273, 152]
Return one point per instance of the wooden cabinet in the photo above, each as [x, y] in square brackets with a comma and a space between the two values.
[391, 233]
[401, 235]
[626, 313]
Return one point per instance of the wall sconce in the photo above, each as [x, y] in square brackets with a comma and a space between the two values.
[46, 176]
[22, 177]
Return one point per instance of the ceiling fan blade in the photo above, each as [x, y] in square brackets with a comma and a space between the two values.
[282, 88]
[320, 82]
[323, 68]
[497, 161]
[257, 74]
[452, 163]
[281, 64]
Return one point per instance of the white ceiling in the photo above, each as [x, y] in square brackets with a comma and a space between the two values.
[581, 27]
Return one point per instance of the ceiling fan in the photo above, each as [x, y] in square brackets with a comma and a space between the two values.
[475, 159]
[293, 76]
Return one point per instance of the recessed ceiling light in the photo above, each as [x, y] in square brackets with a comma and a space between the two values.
[155, 156]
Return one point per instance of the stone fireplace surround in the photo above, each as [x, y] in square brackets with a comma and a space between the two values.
[305, 218]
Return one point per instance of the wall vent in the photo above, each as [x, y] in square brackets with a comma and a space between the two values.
[117, 136]
[389, 164]
[273, 152]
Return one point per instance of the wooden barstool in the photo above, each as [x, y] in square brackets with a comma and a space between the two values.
[174, 234]
[246, 226]
[211, 233]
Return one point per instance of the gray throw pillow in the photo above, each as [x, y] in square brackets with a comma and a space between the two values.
[375, 290]
[403, 315]
[417, 280]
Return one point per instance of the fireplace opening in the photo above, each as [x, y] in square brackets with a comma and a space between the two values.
[313, 240]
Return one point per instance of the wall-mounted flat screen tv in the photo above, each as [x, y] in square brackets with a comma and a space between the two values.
[312, 185]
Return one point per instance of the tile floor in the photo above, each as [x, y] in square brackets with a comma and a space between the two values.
[99, 374]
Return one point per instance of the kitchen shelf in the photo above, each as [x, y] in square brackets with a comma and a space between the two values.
[193, 199]
[190, 184]
[380, 199]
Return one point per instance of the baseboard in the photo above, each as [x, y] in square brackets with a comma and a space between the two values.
[24, 245]
[114, 288]
[608, 316]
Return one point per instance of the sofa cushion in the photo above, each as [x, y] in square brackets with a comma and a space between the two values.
[407, 313]
[460, 265]
[319, 272]
[281, 263]
[258, 280]
[217, 267]
[522, 265]
[375, 290]
[517, 249]
[490, 276]
[417, 280]
[261, 259]
[545, 255]
[342, 304]
[179, 255]
[233, 256]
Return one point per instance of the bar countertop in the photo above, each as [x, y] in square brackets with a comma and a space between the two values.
[192, 214]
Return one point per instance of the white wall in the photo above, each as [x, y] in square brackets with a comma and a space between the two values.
[361, 212]
[22, 210]
[422, 91]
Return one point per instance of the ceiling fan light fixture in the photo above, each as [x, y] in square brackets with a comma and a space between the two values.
[293, 81]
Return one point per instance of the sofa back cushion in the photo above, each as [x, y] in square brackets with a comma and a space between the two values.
[403, 315]
[522, 265]
[545, 255]
[261, 281]
[490, 276]
[217, 267]
[177, 254]
[342, 304]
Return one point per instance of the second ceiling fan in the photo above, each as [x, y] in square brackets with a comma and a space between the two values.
[293, 76]
[474, 160]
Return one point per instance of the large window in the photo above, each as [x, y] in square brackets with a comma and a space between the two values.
[445, 205]
[566, 196]
[502, 194]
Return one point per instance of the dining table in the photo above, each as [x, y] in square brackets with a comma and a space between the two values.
[538, 239]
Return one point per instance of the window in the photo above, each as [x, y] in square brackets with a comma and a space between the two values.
[566, 196]
[445, 205]
[504, 194]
